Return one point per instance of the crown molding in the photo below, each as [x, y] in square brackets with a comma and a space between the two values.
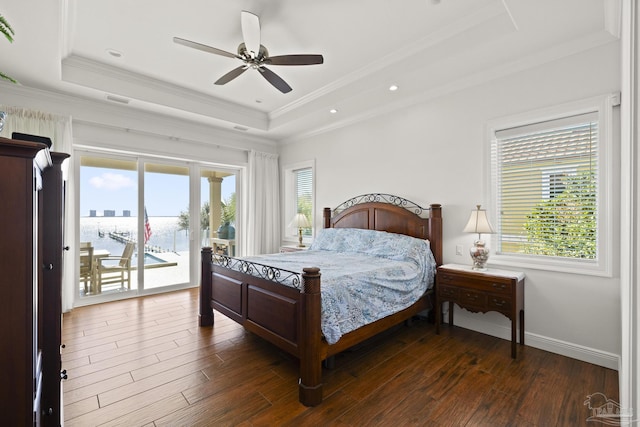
[555, 53]
[105, 114]
[613, 17]
[114, 80]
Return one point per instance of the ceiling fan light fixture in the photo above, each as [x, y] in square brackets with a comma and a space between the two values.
[254, 55]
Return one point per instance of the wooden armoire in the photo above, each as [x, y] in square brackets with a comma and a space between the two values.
[31, 254]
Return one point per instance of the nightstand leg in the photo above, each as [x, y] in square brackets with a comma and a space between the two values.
[438, 316]
[521, 327]
[513, 338]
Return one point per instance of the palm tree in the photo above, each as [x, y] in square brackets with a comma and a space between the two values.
[6, 29]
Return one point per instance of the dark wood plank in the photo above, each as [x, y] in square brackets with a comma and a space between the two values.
[182, 374]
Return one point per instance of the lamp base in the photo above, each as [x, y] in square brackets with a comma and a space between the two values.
[479, 254]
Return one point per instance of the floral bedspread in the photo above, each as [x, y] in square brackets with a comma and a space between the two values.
[366, 275]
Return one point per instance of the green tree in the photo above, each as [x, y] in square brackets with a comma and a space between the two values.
[565, 225]
[305, 207]
[183, 218]
[228, 214]
[7, 31]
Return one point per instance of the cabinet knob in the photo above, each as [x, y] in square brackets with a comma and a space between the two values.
[48, 266]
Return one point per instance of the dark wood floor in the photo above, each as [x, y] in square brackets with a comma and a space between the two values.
[145, 362]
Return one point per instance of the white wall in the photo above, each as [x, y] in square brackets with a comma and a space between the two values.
[434, 152]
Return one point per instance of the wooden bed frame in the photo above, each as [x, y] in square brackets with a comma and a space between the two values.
[289, 317]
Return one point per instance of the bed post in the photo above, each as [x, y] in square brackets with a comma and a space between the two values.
[310, 382]
[205, 318]
[435, 232]
[326, 217]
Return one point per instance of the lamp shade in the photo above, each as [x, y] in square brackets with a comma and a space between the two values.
[478, 222]
[299, 221]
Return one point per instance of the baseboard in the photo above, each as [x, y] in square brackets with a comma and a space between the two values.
[564, 348]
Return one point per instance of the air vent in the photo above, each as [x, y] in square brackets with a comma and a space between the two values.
[117, 99]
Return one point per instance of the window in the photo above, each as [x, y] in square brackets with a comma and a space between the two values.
[547, 190]
[303, 179]
[299, 197]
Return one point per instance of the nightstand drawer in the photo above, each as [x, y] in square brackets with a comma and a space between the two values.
[489, 284]
[499, 303]
[473, 299]
[447, 292]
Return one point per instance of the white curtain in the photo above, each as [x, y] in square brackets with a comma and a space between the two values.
[58, 128]
[262, 220]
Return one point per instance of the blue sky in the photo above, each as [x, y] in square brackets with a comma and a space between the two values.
[117, 189]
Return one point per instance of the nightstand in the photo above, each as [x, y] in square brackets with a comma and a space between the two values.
[292, 248]
[482, 291]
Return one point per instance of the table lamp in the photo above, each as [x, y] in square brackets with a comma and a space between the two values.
[479, 223]
[300, 221]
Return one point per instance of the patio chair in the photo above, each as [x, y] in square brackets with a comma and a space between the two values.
[110, 273]
[86, 265]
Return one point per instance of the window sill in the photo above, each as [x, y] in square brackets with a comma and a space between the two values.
[586, 268]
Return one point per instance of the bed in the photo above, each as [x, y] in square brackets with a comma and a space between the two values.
[284, 306]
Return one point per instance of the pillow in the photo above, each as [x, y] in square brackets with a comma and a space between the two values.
[371, 242]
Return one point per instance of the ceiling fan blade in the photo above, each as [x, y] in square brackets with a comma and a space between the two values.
[204, 47]
[231, 75]
[250, 31]
[275, 80]
[295, 60]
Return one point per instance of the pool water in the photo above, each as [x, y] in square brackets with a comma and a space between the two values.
[152, 259]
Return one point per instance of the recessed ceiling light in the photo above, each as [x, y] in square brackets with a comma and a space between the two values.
[393, 88]
[114, 53]
[333, 111]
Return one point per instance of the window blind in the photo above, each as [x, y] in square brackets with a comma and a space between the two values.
[546, 177]
[304, 194]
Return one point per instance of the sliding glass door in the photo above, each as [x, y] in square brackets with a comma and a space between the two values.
[108, 225]
[142, 223]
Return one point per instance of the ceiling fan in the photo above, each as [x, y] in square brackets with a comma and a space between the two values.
[254, 55]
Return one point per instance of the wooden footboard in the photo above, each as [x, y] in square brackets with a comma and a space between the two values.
[285, 316]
